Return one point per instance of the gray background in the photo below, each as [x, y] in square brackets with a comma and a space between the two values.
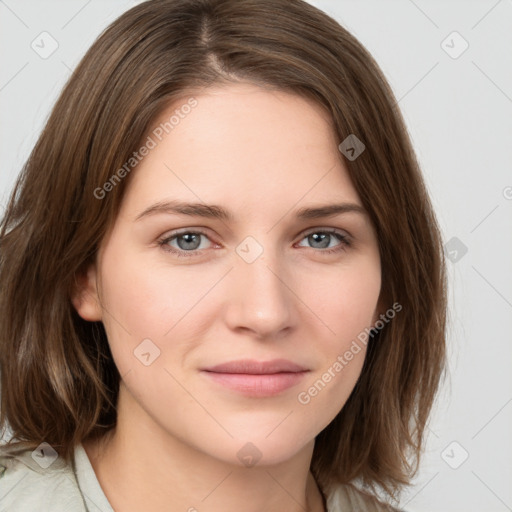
[459, 113]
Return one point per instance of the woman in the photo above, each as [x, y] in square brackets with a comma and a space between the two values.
[222, 278]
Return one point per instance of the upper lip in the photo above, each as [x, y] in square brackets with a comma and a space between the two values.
[253, 367]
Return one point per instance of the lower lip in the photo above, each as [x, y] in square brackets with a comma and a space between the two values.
[259, 385]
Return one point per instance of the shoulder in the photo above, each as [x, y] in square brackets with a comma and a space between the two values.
[42, 481]
[341, 498]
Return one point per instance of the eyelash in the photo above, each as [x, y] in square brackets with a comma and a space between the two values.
[163, 242]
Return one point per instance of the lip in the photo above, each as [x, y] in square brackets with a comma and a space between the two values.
[257, 378]
[253, 367]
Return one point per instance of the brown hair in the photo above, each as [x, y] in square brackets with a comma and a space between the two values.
[58, 380]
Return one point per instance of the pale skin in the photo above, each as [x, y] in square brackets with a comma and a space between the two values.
[263, 156]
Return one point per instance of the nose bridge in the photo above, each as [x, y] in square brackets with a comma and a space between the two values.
[259, 297]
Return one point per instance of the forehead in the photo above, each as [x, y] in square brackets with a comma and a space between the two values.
[245, 146]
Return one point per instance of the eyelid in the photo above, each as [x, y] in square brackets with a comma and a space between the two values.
[344, 238]
[164, 240]
[337, 231]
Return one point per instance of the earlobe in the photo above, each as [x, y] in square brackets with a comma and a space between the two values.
[85, 295]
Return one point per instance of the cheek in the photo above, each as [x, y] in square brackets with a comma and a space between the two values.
[133, 297]
[142, 296]
[344, 299]
[346, 303]
[144, 300]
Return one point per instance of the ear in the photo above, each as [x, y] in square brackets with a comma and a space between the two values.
[85, 295]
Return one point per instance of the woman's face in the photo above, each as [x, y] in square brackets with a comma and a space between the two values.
[227, 248]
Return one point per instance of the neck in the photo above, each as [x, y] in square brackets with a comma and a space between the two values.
[141, 467]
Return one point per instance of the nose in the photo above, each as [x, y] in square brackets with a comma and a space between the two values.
[260, 301]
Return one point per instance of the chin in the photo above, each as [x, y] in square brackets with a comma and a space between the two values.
[260, 449]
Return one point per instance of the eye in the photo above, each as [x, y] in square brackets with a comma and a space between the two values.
[327, 240]
[192, 243]
[185, 243]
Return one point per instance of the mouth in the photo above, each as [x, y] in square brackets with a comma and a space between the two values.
[257, 378]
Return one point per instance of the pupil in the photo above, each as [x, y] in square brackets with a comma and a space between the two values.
[324, 239]
[191, 241]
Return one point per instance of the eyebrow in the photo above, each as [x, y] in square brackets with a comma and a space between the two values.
[212, 211]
